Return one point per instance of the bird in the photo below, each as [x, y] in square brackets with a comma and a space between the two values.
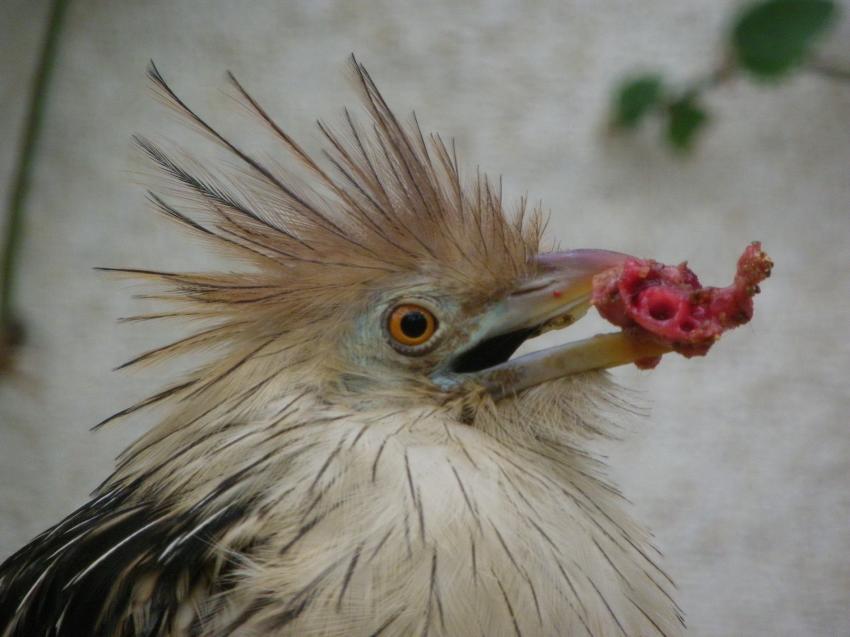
[360, 451]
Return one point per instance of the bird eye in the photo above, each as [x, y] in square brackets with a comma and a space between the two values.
[411, 325]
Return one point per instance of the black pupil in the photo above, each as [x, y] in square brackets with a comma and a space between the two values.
[414, 324]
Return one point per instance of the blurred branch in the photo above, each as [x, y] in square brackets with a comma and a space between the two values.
[767, 41]
[828, 70]
[11, 332]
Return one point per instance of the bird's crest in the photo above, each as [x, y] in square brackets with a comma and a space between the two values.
[388, 203]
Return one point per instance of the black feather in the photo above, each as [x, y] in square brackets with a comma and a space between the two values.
[80, 577]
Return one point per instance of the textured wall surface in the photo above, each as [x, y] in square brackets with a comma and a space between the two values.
[742, 469]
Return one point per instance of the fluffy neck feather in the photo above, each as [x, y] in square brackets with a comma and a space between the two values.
[357, 517]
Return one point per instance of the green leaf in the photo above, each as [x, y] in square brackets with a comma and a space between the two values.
[634, 98]
[770, 38]
[685, 119]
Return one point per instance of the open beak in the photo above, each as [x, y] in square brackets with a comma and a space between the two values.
[556, 298]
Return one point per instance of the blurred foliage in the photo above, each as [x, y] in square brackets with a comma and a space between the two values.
[685, 118]
[637, 97]
[772, 38]
[766, 41]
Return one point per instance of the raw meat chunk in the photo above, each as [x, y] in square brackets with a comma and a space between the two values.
[668, 304]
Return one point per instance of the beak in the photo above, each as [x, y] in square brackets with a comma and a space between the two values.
[559, 296]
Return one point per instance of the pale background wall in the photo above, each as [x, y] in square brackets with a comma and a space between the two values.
[744, 467]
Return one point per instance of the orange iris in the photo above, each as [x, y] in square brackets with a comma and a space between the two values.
[411, 325]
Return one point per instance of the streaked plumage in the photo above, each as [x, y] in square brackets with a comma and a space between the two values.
[312, 480]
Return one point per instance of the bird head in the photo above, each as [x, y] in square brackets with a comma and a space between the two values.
[384, 276]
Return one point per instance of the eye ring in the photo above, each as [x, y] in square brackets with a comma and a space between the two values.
[411, 327]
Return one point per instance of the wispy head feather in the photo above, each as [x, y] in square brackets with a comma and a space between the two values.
[388, 204]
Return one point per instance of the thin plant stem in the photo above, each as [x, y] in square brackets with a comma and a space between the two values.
[23, 168]
[829, 71]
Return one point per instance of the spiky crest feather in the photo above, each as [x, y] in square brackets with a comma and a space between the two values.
[395, 204]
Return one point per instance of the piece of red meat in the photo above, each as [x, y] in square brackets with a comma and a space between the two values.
[669, 305]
